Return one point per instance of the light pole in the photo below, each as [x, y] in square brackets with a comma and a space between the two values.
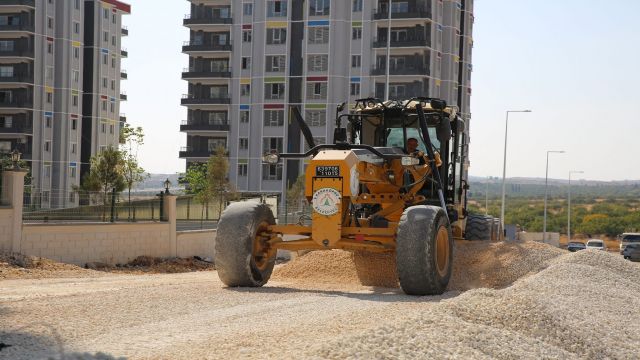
[546, 183]
[504, 163]
[569, 206]
[486, 198]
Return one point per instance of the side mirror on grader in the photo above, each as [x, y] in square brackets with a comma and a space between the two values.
[393, 181]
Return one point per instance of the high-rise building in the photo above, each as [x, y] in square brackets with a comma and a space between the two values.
[251, 61]
[59, 88]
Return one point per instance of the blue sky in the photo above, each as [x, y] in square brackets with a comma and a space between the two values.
[574, 63]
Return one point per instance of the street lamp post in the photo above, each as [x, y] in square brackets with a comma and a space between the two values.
[546, 183]
[569, 206]
[504, 163]
[486, 198]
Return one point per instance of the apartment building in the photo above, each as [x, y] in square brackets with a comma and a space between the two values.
[252, 61]
[51, 79]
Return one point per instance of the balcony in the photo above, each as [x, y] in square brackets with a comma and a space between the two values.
[124, 53]
[197, 46]
[400, 71]
[17, 129]
[194, 19]
[19, 3]
[18, 27]
[202, 126]
[123, 118]
[16, 102]
[400, 44]
[189, 99]
[17, 78]
[191, 74]
[124, 31]
[411, 13]
[123, 74]
[16, 52]
[123, 97]
[192, 152]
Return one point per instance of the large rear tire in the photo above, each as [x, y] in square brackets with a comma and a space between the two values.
[424, 250]
[242, 255]
[478, 227]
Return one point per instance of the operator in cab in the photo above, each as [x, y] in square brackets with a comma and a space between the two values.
[412, 149]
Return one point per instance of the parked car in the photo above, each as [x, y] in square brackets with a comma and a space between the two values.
[575, 246]
[632, 252]
[628, 238]
[596, 244]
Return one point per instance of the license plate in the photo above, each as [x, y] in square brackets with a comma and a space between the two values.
[328, 171]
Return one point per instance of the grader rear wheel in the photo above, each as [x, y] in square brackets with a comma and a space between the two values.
[243, 256]
[478, 227]
[424, 252]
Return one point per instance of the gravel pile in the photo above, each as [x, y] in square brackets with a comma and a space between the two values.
[583, 305]
[18, 266]
[154, 265]
[480, 264]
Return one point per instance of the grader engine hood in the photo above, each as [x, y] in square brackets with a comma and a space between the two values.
[331, 180]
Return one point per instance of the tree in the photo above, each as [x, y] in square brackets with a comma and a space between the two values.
[7, 164]
[218, 177]
[105, 174]
[197, 185]
[133, 173]
[295, 193]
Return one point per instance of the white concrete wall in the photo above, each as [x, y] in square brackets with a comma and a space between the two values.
[108, 243]
[196, 243]
[6, 228]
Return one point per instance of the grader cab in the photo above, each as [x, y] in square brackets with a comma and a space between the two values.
[392, 181]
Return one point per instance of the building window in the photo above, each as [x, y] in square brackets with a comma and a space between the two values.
[49, 47]
[74, 148]
[75, 75]
[355, 89]
[357, 5]
[243, 169]
[104, 82]
[111, 129]
[316, 140]
[271, 144]
[6, 121]
[103, 128]
[114, 18]
[274, 91]
[49, 98]
[317, 62]
[105, 36]
[215, 143]
[271, 172]
[50, 22]
[315, 117]
[74, 125]
[247, 9]
[113, 84]
[104, 105]
[113, 40]
[356, 33]
[76, 27]
[276, 8]
[318, 35]
[105, 59]
[47, 146]
[244, 116]
[72, 196]
[246, 63]
[275, 63]
[276, 36]
[72, 172]
[76, 52]
[105, 13]
[48, 72]
[113, 63]
[245, 89]
[74, 100]
[77, 4]
[243, 143]
[246, 36]
[103, 148]
[316, 91]
[47, 121]
[319, 7]
[112, 107]
[356, 61]
[273, 118]
[44, 196]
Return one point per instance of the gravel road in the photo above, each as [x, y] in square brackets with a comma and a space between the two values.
[581, 305]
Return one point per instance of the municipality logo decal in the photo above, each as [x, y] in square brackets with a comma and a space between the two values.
[325, 201]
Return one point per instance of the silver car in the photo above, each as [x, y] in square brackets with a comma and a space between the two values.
[596, 244]
[628, 238]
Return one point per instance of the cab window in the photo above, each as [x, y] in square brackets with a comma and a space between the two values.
[395, 137]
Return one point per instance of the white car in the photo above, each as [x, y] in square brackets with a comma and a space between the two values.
[596, 244]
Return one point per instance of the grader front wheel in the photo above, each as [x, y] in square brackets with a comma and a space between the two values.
[242, 254]
[424, 252]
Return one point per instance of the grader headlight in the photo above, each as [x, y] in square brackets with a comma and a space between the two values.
[272, 158]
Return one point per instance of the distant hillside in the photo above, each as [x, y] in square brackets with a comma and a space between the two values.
[155, 182]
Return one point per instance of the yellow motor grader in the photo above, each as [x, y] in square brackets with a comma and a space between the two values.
[393, 181]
